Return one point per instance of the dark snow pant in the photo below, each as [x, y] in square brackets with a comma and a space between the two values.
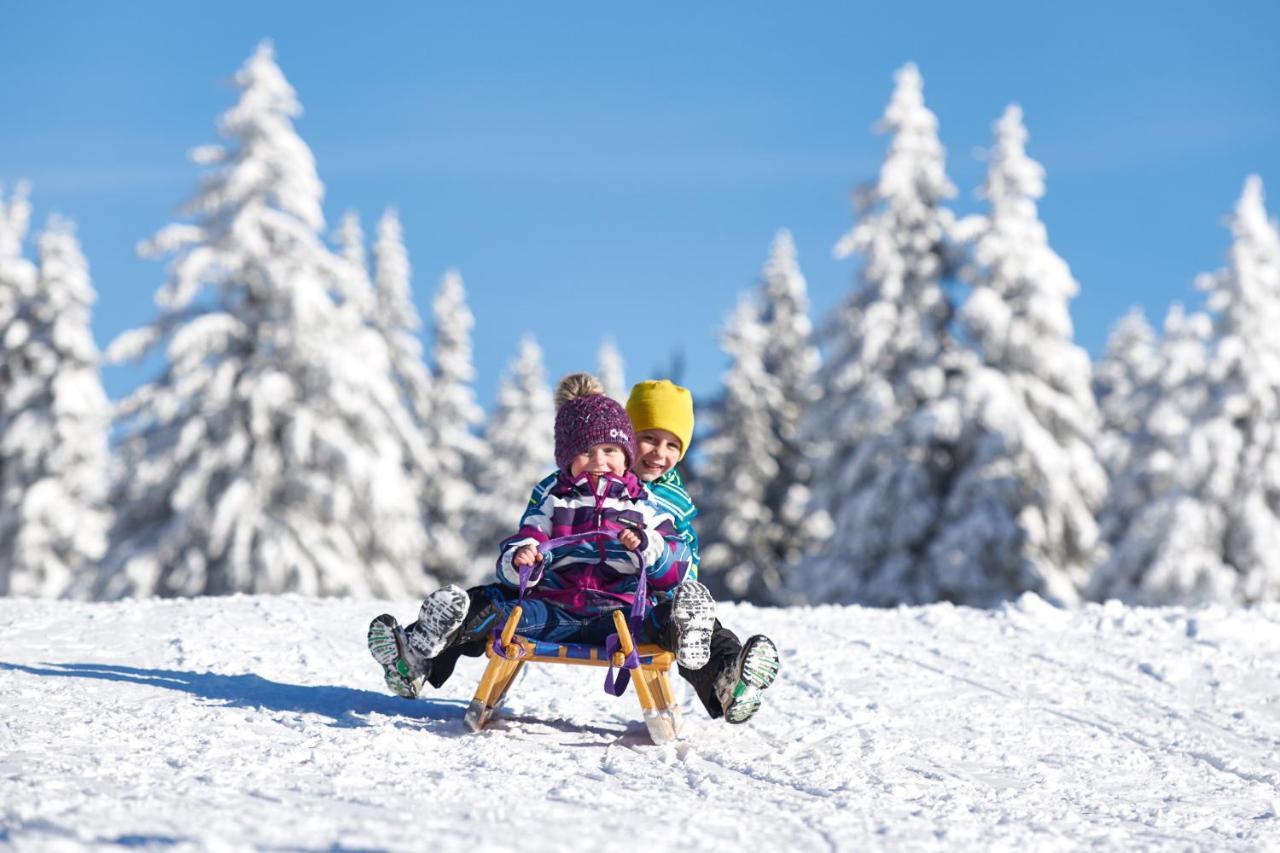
[725, 647]
[489, 607]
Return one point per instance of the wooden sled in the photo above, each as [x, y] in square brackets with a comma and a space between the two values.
[508, 654]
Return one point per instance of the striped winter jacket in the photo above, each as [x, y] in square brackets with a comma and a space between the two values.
[669, 493]
[588, 578]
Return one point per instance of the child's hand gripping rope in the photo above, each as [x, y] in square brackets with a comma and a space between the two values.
[527, 557]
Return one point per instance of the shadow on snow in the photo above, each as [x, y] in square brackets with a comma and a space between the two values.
[345, 706]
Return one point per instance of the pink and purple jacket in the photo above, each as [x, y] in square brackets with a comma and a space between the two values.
[592, 577]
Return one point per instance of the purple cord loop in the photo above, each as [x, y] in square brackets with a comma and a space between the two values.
[551, 544]
[526, 574]
[641, 601]
[611, 645]
[632, 661]
[500, 650]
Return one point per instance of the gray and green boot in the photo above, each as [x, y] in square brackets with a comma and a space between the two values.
[740, 687]
[402, 668]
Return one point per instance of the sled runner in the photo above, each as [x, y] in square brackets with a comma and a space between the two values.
[646, 665]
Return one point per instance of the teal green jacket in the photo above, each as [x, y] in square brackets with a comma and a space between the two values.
[669, 494]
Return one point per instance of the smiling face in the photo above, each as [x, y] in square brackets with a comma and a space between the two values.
[657, 452]
[601, 459]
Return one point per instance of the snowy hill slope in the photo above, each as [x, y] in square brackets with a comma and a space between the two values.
[239, 722]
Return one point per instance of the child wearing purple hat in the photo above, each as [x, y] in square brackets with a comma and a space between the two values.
[573, 588]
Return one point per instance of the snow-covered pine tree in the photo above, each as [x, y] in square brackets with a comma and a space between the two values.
[738, 459]
[53, 414]
[267, 455]
[388, 305]
[1020, 511]
[15, 218]
[887, 445]
[1216, 538]
[397, 319]
[611, 370]
[1128, 366]
[354, 288]
[756, 518]
[1244, 371]
[1124, 381]
[1170, 390]
[456, 450]
[18, 278]
[349, 238]
[520, 440]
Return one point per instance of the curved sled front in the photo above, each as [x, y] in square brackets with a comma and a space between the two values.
[508, 654]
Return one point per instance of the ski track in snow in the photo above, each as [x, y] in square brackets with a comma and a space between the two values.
[252, 722]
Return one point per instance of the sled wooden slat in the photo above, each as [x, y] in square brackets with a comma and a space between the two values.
[653, 688]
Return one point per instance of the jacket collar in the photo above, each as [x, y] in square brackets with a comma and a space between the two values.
[671, 478]
[601, 485]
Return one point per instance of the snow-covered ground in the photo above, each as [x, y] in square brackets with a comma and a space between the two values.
[262, 722]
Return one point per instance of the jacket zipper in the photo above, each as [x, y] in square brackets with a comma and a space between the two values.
[601, 485]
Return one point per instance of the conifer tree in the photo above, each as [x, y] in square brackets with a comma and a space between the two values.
[349, 238]
[1019, 514]
[53, 413]
[1244, 298]
[1215, 535]
[1124, 380]
[384, 295]
[397, 319]
[455, 448]
[887, 431]
[1145, 460]
[1126, 369]
[267, 454]
[520, 444]
[353, 286]
[756, 517]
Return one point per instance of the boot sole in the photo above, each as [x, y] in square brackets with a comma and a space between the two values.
[442, 614]
[757, 668]
[385, 649]
[694, 613]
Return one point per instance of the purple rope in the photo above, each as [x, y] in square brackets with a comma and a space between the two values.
[496, 644]
[612, 644]
[526, 574]
[632, 661]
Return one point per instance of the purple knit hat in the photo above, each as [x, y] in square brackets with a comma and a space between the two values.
[584, 422]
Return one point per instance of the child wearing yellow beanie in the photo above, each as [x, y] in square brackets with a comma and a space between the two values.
[661, 415]
[661, 405]
[728, 675]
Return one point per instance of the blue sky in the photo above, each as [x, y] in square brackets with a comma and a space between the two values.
[598, 170]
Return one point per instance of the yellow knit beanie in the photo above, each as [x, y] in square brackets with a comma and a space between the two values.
[659, 404]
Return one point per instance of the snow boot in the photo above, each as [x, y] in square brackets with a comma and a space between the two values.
[693, 612]
[740, 686]
[442, 614]
[402, 668]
